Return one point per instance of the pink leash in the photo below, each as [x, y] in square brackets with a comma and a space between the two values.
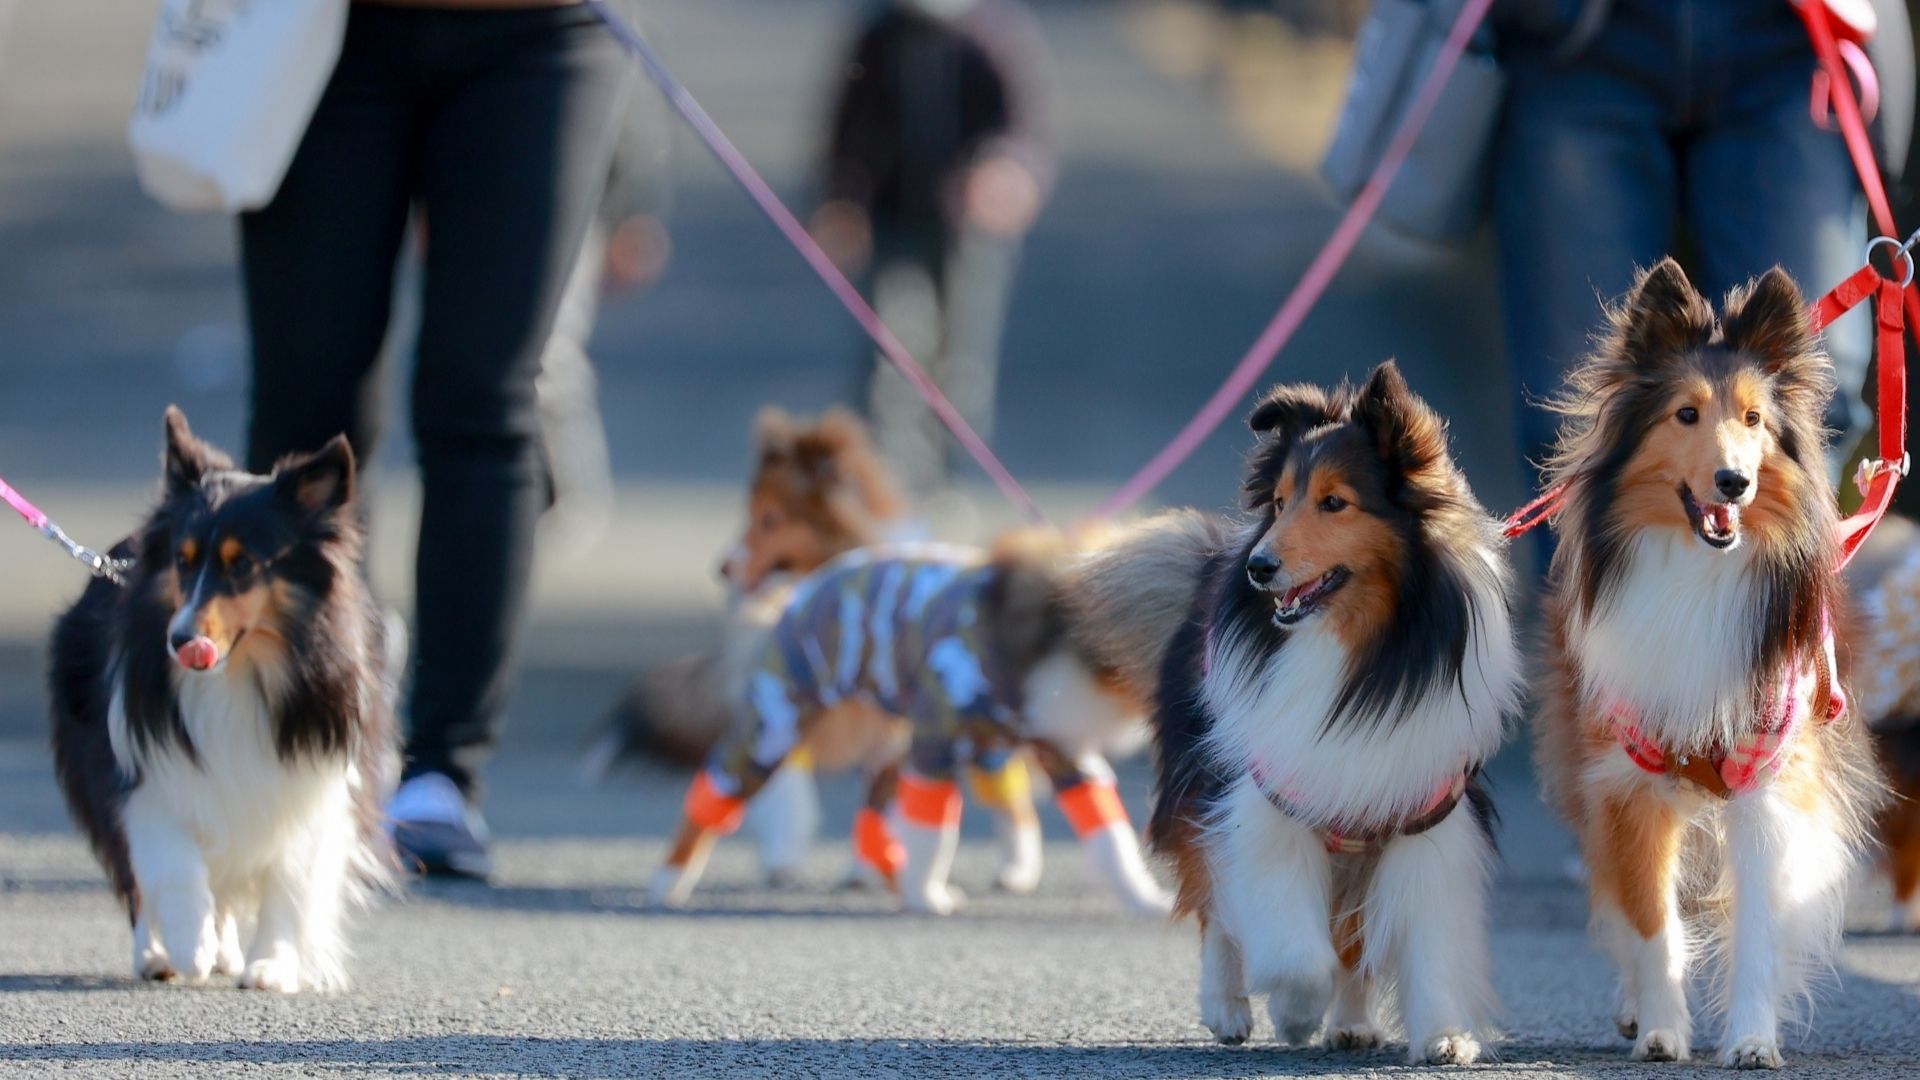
[1320, 273]
[101, 565]
[756, 188]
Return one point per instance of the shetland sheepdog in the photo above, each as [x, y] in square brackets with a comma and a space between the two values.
[1880, 653]
[1691, 728]
[818, 490]
[222, 725]
[972, 655]
[1345, 665]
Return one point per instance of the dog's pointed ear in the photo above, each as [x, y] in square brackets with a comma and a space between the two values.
[186, 459]
[1768, 319]
[1406, 433]
[773, 431]
[1664, 314]
[321, 481]
[1287, 412]
[841, 428]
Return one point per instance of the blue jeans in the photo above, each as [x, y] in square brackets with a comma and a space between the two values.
[1682, 129]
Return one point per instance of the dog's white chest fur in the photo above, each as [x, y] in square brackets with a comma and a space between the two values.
[1271, 718]
[1676, 641]
[243, 806]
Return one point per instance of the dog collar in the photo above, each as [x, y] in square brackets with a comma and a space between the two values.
[1342, 838]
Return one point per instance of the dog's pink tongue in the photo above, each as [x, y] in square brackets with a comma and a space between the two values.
[198, 654]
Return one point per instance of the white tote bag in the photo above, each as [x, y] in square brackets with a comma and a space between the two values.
[229, 88]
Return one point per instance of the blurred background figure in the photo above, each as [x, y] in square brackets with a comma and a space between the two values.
[497, 119]
[936, 166]
[626, 249]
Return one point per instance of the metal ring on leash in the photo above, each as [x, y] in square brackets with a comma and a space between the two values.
[1902, 250]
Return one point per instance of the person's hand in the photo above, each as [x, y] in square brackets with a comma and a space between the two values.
[1002, 197]
[844, 231]
[637, 253]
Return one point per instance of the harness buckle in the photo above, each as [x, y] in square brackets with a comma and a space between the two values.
[1870, 469]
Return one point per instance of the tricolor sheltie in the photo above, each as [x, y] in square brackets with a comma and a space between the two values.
[1692, 729]
[1346, 666]
[222, 726]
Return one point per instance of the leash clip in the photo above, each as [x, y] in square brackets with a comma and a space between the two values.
[1902, 251]
[1871, 468]
[113, 570]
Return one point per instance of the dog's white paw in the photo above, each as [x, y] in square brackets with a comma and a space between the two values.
[1449, 1048]
[1626, 1024]
[1754, 1053]
[933, 900]
[152, 965]
[1229, 1018]
[1150, 899]
[1661, 1045]
[278, 974]
[1355, 1037]
[231, 959]
[671, 887]
[1017, 877]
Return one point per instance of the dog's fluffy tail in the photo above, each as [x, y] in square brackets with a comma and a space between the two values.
[1130, 592]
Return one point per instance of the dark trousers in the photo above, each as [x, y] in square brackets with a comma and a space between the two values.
[499, 126]
[944, 292]
[1682, 129]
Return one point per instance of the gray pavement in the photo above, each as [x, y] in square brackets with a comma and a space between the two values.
[1174, 234]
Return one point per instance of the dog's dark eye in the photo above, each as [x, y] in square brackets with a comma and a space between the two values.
[1753, 418]
[1333, 504]
[1688, 415]
[240, 565]
[769, 522]
[183, 559]
[1279, 504]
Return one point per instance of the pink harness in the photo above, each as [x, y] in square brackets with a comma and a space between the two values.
[1729, 771]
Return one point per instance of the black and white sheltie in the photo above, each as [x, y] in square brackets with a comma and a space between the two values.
[1345, 666]
[222, 724]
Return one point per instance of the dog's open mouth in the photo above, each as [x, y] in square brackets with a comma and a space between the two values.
[1307, 597]
[1716, 523]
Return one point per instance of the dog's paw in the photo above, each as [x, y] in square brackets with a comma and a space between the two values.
[1150, 900]
[671, 887]
[1355, 1037]
[1755, 1053]
[231, 959]
[277, 974]
[1627, 1025]
[1449, 1048]
[153, 966]
[1017, 877]
[1229, 1018]
[933, 900]
[1659, 1045]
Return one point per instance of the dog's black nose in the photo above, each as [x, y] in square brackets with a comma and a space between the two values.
[179, 638]
[1731, 482]
[1261, 568]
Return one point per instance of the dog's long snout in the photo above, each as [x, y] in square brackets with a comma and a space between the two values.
[1732, 483]
[1262, 568]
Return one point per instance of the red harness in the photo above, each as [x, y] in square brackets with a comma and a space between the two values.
[1728, 771]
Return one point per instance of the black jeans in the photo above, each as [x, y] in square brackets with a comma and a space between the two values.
[499, 125]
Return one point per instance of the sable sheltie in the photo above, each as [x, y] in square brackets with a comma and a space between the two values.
[222, 725]
[972, 655]
[1880, 654]
[1691, 729]
[818, 490]
[1345, 666]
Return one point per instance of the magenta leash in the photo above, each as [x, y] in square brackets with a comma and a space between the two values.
[101, 565]
[1313, 284]
[762, 195]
